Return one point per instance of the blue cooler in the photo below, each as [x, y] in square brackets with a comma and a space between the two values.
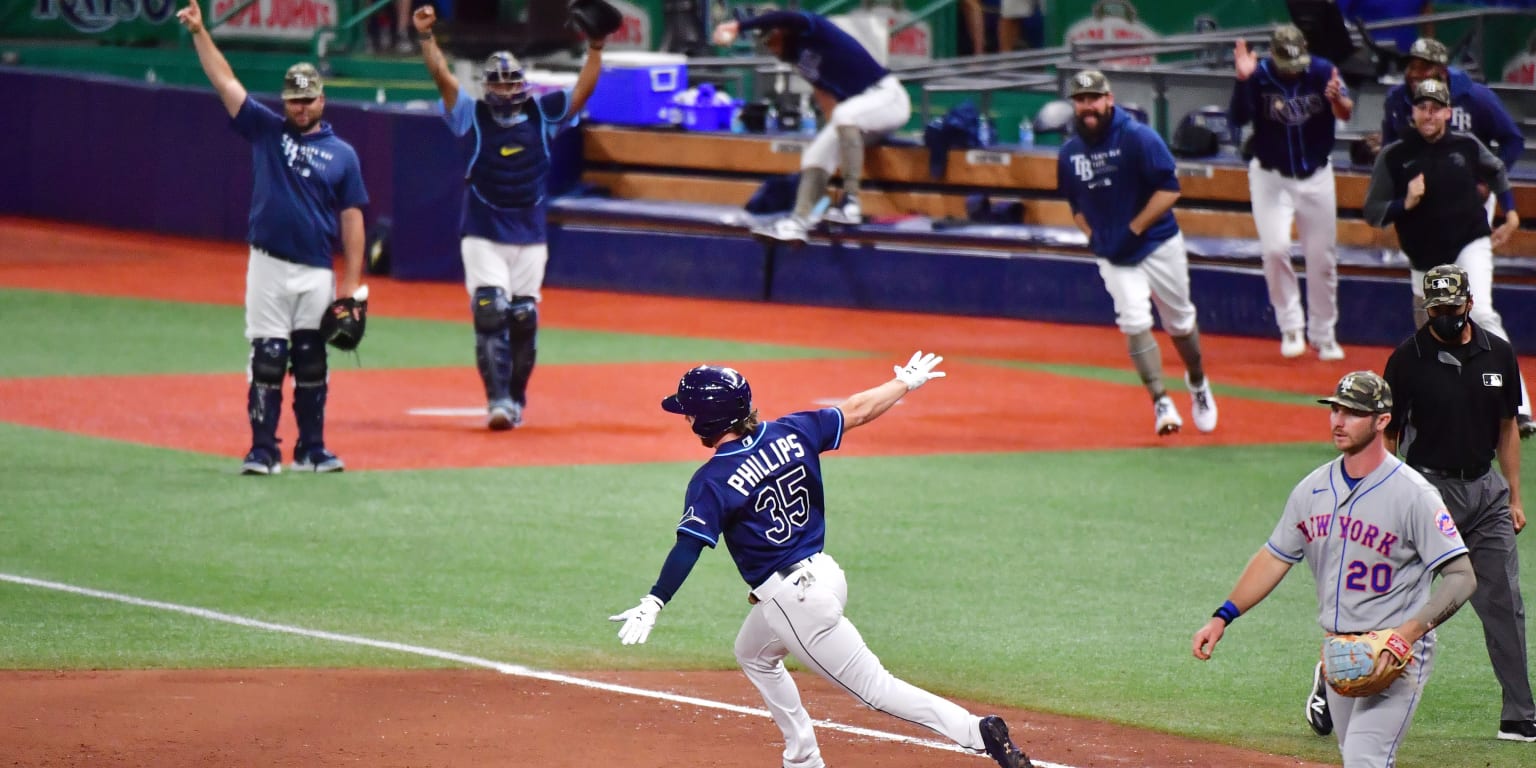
[636, 88]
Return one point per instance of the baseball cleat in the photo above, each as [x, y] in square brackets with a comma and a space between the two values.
[1517, 730]
[1526, 425]
[847, 214]
[1292, 344]
[786, 230]
[1330, 352]
[502, 417]
[261, 462]
[1202, 404]
[1318, 717]
[1166, 416]
[318, 460]
[994, 736]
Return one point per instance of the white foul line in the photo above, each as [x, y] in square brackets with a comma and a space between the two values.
[473, 661]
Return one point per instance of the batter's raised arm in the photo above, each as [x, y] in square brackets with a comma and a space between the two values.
[866, 406]
[215, 66]
[437, 65]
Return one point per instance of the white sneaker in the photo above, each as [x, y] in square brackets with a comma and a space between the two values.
[847, 214]
[1202, 404]
[786, 230]
[1292, 344]
[1330, 352]
[1166, 416]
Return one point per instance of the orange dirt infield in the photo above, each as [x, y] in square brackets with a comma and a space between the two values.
[477, 718]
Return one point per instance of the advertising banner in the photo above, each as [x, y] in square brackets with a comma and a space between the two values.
[294, 20]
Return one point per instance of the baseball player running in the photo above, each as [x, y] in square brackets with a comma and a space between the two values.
[1475, 110]
[1374, 532]
[762, 492]
[505, 138]
[1118, 177]
[307, 193]
[1292, 98]
[868, 98]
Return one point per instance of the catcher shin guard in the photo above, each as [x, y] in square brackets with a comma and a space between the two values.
[309, 390]
[523, 318]
[493, 343]
[264, 399]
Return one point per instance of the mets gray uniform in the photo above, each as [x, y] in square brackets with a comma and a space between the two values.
[1373, 548]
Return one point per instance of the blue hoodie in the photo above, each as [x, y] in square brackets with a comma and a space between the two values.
[1111, 180]
[1474, 109]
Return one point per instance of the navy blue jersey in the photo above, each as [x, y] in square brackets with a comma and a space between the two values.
[300, 183]
[1474, 109]
[1292, 119]
[764, 493]
[1111, 180]
[508, 166]
[823, 54]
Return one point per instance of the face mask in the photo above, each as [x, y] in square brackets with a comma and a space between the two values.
[1448, 327]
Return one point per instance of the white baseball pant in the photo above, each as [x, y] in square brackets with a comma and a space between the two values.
[1161, 278]
[516, 269]
[882, 108]
[1311, 203]
[803, 615]
[1476, 258]
[282, 297]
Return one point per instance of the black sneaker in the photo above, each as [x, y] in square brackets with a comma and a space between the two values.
[994, 734]
[1517, 730]
[261, 461]
[1318, 716]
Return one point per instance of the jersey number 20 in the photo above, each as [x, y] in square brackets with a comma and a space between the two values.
[787, 502]
[1380, 577]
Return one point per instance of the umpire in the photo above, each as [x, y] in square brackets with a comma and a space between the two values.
[1456, 387]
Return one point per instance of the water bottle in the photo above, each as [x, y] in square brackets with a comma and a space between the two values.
[737, 126]
[1026, 133]
[150, 76]
[984, 132]
[771, 122]
[807, 115]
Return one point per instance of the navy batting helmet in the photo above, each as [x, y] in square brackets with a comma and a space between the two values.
[717, 398]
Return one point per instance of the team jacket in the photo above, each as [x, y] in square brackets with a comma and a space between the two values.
[1451, 214]
[1110, 181]
[1474, 109]
[1292, 119]
[508, 167]
[300, 183]
[823, 54]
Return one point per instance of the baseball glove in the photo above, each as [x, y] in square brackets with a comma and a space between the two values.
[1350, 662]
[596, 19]
[343, 323]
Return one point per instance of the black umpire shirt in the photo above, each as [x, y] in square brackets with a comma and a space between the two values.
[1454, 397]
[1451, 213]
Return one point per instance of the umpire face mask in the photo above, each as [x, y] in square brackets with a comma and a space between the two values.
[1449, 326]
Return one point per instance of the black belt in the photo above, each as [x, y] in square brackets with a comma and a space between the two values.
[792, 568]
[1297, 176]
[1456, 474]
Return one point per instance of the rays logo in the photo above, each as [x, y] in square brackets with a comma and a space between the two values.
[1084, 80]
[1460, 120]
[301, 82]
[690, 517]
[1082, 166]
[93, 16]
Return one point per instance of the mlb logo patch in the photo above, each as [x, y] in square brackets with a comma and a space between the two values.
[1493, 379]
[1444, 522]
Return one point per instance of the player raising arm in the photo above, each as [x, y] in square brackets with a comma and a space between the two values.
[762, 492]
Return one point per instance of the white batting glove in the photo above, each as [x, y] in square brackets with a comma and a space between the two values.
[638, 620]
[919, 370]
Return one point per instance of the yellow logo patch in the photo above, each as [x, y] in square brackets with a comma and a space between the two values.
[510, 151]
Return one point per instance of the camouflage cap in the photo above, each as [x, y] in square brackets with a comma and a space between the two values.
[1430, 50]
[1288, 47]
[1361, 391]
[302, 81]
[1434, 90]
[1089, 81]
[1446, 285]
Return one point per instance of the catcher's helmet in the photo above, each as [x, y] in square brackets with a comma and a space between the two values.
[502, 67]
[717, 398]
